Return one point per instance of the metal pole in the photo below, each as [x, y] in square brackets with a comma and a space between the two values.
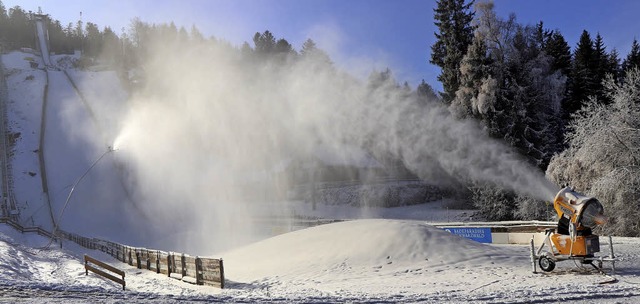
[73, 188]
[613, 257]
[533, 256]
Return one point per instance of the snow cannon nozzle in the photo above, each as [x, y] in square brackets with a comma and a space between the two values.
[579, 209]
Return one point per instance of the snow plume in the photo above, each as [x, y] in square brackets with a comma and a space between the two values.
[209, 134]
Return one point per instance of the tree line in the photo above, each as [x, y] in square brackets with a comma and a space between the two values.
[571, 113]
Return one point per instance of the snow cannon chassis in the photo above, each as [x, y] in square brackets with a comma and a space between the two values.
[547, 260]
[573, 239]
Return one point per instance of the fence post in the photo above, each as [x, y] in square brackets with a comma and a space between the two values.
[157, 261]
[138, 258]
[221, 274]
[198, 271]
[147, 255]
[182, 262]
[169, 266]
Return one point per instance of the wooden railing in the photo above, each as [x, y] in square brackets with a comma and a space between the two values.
[88, 267]
[15, 225]
[191, 269]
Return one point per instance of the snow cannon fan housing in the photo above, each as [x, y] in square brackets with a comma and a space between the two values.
[577, 215]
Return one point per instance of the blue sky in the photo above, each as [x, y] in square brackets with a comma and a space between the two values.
[359, 35]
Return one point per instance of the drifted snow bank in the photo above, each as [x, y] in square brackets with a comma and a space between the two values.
[362, 243]
[374, 259]
[402, 261]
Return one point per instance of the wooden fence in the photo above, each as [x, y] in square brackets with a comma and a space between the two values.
[192, 269]
[16, 226]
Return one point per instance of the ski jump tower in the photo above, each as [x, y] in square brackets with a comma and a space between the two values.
[42, 35]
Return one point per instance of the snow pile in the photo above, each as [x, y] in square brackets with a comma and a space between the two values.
[357, 251]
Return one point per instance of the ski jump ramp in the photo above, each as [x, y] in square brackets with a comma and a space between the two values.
[43, 41]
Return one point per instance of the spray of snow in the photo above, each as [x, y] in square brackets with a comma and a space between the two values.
[206, 136]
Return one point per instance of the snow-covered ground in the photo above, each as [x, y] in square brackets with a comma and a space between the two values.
[377, 261]
[395, 258]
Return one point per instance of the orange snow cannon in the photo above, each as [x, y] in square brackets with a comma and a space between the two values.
[573, 238]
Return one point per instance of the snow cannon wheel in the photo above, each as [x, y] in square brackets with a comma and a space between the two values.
[546, 263]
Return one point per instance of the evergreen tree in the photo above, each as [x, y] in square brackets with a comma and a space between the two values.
[20, 29]
[558, 48]
[613, 65]
[583, 82]
[79, 35]
[196, 35]
[311, 51]
[71, 37]
[633, 58]
[246, 50]
[183, 37]
[308, 47]
[58, 39]
[111, 46]
[92, 40]
[426, 93]
[600, 66]
[264, 43]
[453, 20]
[283, 46]
[4, 22]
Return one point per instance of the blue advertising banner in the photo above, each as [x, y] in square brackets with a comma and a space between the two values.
[482, 235]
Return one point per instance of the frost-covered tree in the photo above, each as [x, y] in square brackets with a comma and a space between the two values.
[603, 158]
[477, 89]
[514, 88]
[509, 84]
[494, 203]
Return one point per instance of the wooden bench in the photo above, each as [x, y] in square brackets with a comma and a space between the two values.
[102, 273]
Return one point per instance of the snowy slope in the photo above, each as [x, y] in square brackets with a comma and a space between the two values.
[24, 108]
[358, 261]
[97, 202]
[74, 139]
